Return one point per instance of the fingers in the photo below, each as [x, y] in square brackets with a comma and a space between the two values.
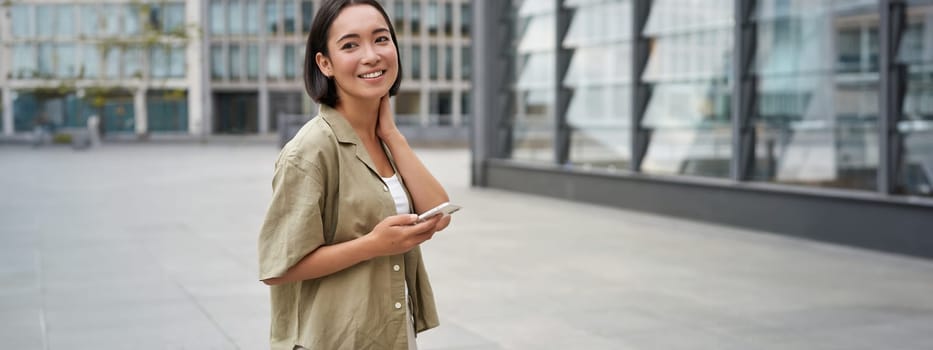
[400, 220]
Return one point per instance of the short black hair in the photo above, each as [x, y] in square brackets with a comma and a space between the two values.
[320, 87]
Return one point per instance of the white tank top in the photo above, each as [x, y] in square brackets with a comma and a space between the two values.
[399, 195]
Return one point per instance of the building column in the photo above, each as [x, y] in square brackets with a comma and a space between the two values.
[199, 107]
[139, 107]
[7, 126]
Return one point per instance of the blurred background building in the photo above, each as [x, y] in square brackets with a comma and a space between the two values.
[809, 117]
[167, 69]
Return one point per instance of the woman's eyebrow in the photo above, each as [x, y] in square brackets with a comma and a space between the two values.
[357, 36]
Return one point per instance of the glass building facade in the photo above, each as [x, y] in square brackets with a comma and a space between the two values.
[822, 98]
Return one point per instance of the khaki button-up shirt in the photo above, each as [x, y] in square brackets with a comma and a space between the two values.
[327, 191]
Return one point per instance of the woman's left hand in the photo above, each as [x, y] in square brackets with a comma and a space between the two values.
[385, 126]
[442, 223]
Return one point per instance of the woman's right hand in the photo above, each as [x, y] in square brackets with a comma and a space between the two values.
[398, 234]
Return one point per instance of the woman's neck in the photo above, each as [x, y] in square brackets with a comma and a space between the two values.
[362, 116]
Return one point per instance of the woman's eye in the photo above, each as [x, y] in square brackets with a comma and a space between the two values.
[382, 39]
[348, 46]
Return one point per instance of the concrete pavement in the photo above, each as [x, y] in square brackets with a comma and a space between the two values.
[153, 247]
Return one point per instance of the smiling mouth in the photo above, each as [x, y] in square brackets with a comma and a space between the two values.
[372, 75]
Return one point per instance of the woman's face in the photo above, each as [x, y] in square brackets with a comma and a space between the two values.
[363, 60]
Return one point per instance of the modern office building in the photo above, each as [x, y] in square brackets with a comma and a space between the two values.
[190, 68]
[807, 117]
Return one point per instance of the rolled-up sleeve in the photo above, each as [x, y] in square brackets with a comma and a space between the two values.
[293, 225]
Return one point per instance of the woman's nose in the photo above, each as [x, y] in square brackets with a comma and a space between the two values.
[370, 55]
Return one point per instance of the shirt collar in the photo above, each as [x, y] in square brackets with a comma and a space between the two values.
[342, 129]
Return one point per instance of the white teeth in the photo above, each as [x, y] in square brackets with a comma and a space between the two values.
[373, 75]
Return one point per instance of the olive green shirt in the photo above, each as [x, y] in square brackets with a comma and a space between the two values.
[326, 191]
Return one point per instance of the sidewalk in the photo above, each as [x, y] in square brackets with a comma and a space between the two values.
[153, 246]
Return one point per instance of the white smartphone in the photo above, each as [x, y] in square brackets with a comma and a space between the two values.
[444, 208]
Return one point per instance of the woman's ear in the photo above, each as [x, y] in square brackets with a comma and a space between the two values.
[323, 63]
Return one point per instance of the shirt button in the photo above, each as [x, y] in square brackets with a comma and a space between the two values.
[396, 268]
[385, 188]
[398, 305]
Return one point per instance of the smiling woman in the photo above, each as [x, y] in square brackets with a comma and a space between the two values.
[340, 246]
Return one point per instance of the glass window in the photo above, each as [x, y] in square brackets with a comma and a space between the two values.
[252, 62]
[236, 18]
[132, 62]
[112, 63]
[817, 95]
[177, 65]
[440, 108]
[159, 61]
[24, 61]
[45, 23]
[432, 62]
[599, 75]
[90, 61]
[130, 20]
[448, 62]
[416, 62]
[466, 106]
[307, 16]
[415, 18]
[66, 65]
[21, 21]
[252, 26]
[217, 62]
[274, 61]
[448, 19]
[916, 120]
[432, 20]
[236, 62]
[65, 21]
[533, 94]
[46, 60]
[290, 66]
[173, 19]
[154, 16]
[466, 18]
[688, 112]
[90, 20]
[398, 17]
[272, 16]
[218, 18]
[466, 63]
[289, 12]
[109, 19]
[408, 108]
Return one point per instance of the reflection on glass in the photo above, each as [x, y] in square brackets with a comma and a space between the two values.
[110, 19]
[24, 61]
[466, 62]
[398, 17]
[21, 23]
[448, 19]
[688, 113]
[65, 21]
[415, 17]
[173, 20]
[916, 122]
[217, 62]
[218, 20]
[130, 20]
[817, 94]
[466, 19]
[599, 75]
[448, 62]
[533, 94]
[432, 19]
[90, 61]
